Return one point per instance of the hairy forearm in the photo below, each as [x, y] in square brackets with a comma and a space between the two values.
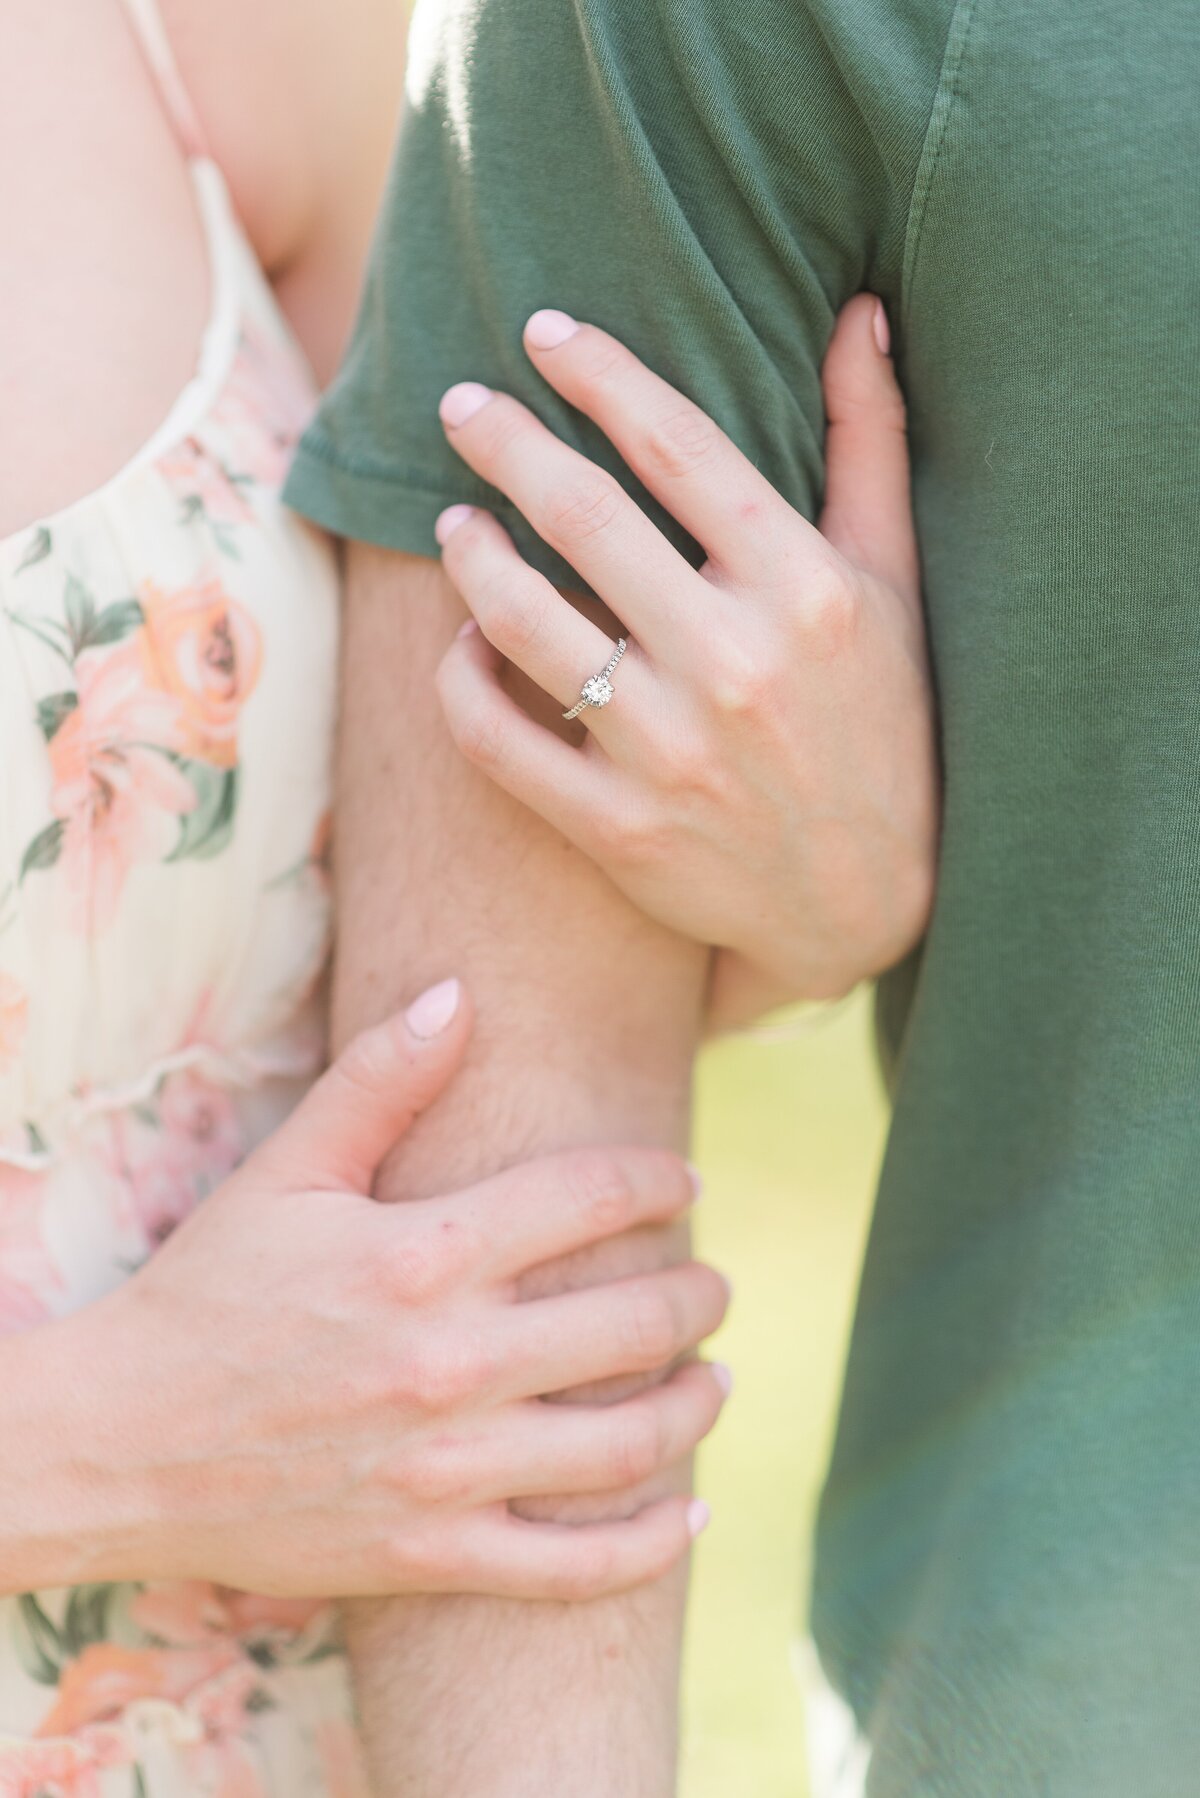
[588, 1017]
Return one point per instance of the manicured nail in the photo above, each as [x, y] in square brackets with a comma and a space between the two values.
[698, 1515]
[546, 330]
[696, 1178]
[466, 628]
[463, 402]
[429, 1015]
[881, 328]
[447, 522]
[723, 1376]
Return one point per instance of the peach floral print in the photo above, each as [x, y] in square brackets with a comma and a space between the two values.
[29, 1279]
[143, 746]
[265, 406]
[204, 650]
[185, 1612]
[62, 1769]
[103, 1681]
[169, 1155]
[116, 795]
[14, 1017]
[207, 488]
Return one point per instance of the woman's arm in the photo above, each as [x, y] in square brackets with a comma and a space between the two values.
[588, 1015]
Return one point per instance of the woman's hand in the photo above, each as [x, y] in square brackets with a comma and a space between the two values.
[764, 778]
[307, 1392]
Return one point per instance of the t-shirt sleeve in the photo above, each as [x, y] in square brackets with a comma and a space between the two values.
[709, 181]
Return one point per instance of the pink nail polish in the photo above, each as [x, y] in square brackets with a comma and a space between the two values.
[881, 328]
[463, 402]
[723, 1376]
[548, 328]
[429, 1015]
[447, 522]
[698, 1516]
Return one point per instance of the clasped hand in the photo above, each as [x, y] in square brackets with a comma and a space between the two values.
[764, 779]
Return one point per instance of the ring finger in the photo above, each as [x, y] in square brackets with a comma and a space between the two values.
[526, 618]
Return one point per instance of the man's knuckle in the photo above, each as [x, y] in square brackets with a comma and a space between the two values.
[681, 442]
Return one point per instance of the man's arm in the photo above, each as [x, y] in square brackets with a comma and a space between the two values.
[588, 1017]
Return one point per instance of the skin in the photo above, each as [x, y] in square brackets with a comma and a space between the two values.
[765, 778]
[298, 101]
[362, 1432]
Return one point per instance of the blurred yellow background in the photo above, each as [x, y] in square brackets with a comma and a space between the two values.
[790, 1130]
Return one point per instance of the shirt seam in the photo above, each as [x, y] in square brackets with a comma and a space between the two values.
[945, 95]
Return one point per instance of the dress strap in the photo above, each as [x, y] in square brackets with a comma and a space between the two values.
[147, 25]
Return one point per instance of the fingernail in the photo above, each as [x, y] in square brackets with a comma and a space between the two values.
[447, 522]
[696, 1178]
[698, 1515]
[881, 328]
[723, 1376]
[728, 1284]
[547, 329]
[463, 402]
[429, 1015]
[466, 628]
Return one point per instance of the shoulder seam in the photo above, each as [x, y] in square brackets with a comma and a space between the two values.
[944, 97]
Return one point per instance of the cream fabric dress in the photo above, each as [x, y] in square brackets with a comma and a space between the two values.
[167, 669]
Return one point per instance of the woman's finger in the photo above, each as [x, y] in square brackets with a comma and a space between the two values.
[577, 509]
[495, 1552]
[538, 1450]
[559, 1203]
[345, 1125]
[503, 741]
[628, 1326]
[868, 498]
[527, 619]
[678, 453]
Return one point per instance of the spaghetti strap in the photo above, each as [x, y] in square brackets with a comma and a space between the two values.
[147, 25]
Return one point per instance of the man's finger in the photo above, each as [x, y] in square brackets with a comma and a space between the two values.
[868, 501]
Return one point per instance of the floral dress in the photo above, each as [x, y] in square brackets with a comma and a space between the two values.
[167, 670]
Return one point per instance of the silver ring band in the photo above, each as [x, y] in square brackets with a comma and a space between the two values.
[599, 689]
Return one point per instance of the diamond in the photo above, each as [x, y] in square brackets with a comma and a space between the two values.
[598, 690]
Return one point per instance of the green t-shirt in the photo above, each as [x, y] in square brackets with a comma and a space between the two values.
[1008, 1566]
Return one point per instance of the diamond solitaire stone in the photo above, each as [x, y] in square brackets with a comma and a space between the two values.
[598, 690]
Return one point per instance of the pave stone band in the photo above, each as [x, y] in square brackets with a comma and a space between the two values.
[599, 689]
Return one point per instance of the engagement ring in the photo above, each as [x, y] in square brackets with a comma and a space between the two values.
[599, 689]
